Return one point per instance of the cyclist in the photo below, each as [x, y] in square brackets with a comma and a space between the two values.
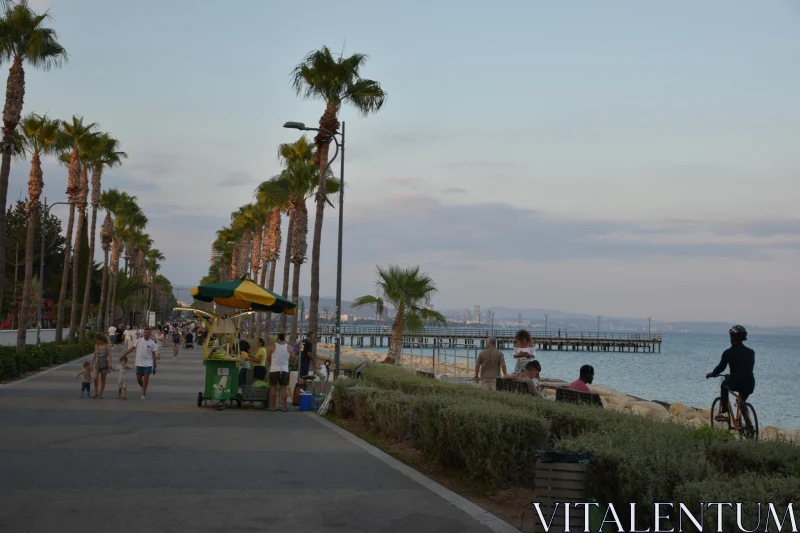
[741, 360]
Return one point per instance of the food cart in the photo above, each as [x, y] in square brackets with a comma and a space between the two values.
[222, 361]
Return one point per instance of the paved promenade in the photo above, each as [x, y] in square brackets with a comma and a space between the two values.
[73, 464]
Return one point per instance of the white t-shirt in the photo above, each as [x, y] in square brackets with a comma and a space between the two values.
[145, 350]
[280, 358]
[111, 332]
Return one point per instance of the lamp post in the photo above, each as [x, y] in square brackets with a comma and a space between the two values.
[545, 323]
[648, 326]
[339, 148]
[45, 213]
[491, 316]
[598, 326]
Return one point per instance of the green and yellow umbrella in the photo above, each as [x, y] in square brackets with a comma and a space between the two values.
[243, 293]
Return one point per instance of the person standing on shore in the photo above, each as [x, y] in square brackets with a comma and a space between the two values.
[279, 354]
[307, 357]
[489, 364]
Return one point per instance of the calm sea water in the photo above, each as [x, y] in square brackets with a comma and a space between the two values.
[677, 374]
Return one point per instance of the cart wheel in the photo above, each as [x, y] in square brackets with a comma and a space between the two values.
[199, 399]
[238, 403]
[221, 407]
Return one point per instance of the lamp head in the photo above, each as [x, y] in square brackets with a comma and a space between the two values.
[295, 125]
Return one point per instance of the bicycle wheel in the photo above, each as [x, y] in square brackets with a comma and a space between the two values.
[751, 432]
[715, 407]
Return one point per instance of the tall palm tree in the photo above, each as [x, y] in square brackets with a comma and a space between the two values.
[128, 217]
[73, 134]
[106, 153]
[272, 252]
[24, 37]
[337, 81]
[153, 265]
[87, 144]
[106, 237]
[409, 291]
[38, 136]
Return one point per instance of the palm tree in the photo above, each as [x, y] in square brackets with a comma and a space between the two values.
[272, 251]
[153, 265]
[337, 82]
[106, 237]
[38, 136]
[87, 144]
[297, 183]
[23, 37]
[128, 217]
[105, 154]
[409, 291]
[72, 135]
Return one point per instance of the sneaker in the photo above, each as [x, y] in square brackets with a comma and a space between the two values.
[723, 417]
[142, 397]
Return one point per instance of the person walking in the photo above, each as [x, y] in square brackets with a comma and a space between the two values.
[129, 338]
[112, 333]
[278, 357]
[101, 363]
[146, 357]
[489, 364]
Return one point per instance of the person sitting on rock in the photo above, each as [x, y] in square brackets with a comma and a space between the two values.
[586, 377]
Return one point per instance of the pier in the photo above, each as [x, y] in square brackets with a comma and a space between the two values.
[471, 339]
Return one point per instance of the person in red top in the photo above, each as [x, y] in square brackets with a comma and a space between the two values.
[587, 376]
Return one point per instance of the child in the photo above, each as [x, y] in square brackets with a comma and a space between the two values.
[122, 382]
[87, 378]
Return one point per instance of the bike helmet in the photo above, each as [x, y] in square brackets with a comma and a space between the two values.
[738, 332]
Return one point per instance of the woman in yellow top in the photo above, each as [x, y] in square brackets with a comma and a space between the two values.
[259, 361]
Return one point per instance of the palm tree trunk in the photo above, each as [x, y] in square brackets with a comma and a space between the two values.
[260, 316]
[113, 282]
[295, 299]
[73, 317]
[25, 309]
[396, 344]
[89, 272]
[299, 236]
[101, 311]
[65, 276]
[287, 261]
[273, 266]
[12, 113]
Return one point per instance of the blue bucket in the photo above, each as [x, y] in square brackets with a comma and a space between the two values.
[305, 401]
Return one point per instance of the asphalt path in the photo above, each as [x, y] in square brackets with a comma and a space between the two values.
[78, 464]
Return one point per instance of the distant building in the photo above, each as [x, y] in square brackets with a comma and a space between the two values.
[476, 316]
[214, 254]
[385, 314]
[345, 318]
[466, 316]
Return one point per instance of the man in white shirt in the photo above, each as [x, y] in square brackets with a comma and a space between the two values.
[146, 359]
[112, 334]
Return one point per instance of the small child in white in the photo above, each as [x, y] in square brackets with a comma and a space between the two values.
[122, 382]
[86, 383]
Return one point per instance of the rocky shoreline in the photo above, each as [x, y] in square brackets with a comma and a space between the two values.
[613, 399]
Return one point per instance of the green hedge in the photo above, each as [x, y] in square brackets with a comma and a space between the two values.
[13, 365]
[749, 490]
[493, 437]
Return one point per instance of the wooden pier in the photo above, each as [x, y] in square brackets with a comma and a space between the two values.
[471, 339]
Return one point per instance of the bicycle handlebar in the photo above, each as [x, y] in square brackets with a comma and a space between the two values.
[723, 376]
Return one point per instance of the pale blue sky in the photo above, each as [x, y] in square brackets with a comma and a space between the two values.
[620, 158]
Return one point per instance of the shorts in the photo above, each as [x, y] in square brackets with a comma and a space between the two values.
[96, 367]
[144, 370]
[305, 362]
[85, 387]
[260, 372]
[279, 378]
[122, 384]
[176, 344]
[489, 384]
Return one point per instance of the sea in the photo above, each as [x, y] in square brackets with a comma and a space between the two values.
[677, 374]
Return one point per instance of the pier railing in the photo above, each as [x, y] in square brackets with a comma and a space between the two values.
[499, 333]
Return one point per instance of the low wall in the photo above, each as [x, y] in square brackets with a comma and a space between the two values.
[8, 337]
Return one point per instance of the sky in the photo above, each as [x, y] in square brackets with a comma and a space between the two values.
[619, 158]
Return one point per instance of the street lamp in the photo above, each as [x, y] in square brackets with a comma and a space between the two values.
[339, 147]
[598, 326]
[545, 323]
[45, 213]
[491, 316]
[648, 326]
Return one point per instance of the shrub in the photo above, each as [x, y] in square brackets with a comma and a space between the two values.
[765, 458]
[13, 365]
[749, 490]
[641, 464]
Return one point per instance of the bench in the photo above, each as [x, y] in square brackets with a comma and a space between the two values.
[565, 394]
[511, 385]
[426, 374]
[259, 394]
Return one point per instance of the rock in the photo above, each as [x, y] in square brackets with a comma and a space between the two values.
[769, 433]
[648, 409]
[681, 410]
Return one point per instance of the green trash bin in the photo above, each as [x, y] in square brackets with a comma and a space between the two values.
[222, 379]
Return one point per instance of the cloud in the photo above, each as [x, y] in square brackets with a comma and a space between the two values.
[237, 179]
[411, 183]
[409, 137]
[453, 190]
